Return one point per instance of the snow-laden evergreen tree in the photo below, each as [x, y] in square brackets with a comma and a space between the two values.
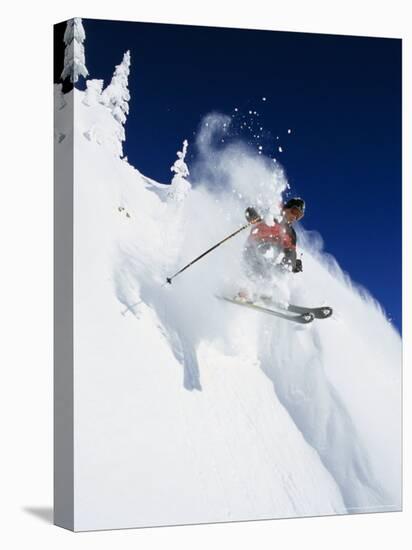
[74, 59]
[180, 187]
[116, 96]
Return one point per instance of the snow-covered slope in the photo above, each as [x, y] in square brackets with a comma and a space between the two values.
[188, 409]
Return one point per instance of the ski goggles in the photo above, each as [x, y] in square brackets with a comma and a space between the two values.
[297, 212]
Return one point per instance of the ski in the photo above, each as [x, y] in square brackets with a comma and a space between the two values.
[303, 318]
[322, 312]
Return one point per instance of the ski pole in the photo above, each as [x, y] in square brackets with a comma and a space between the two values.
[169, 279]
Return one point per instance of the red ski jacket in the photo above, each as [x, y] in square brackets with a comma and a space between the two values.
[281, 234]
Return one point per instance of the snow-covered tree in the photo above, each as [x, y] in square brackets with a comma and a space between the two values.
[116, 96]
[180, 187]
[74, 60]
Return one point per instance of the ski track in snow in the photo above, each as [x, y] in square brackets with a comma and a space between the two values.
[269, 419]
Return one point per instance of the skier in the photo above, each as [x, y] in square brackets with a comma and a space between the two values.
[269, 254]
[271, 249]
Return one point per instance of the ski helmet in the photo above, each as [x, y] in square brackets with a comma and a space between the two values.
[296, 202]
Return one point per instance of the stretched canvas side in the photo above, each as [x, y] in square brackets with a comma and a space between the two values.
[63, 309]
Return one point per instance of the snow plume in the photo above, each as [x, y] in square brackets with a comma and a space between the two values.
[229, 165]
[236, 414]
[334, 379]
[74, 59]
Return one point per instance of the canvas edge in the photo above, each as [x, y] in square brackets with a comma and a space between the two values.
[63, 383]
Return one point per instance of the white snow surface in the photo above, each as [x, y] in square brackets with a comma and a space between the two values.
[192, 410]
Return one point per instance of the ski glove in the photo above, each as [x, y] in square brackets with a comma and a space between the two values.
[298, 266]
[251, 215]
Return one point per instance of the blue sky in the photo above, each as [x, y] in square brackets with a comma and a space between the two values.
[341, 96]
